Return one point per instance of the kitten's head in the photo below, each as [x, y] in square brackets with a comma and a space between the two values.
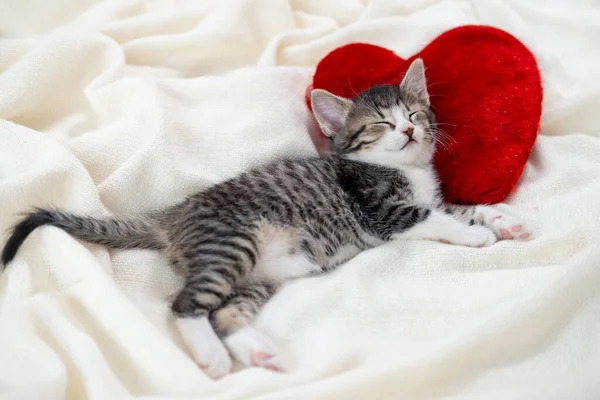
[386, 124]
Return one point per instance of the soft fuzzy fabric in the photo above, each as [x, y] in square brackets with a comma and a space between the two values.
[126, 106]
[486, 90]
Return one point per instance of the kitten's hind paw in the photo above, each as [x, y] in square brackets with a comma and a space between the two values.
[255, 349]
[266, 361]
[216, 365]
[205, 347]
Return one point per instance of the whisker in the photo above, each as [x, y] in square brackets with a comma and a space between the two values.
[350, 84]
[444, 137]
[442, 133]
[442, 143]
[430, 84]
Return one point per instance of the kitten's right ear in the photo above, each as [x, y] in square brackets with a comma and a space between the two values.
[330, 111]
[414, 81]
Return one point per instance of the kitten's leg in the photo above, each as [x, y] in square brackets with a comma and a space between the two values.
[438, 226]
[206, 348]
[504, 226]
[233, 323]
[211, 276]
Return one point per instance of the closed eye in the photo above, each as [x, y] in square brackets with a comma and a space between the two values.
[359, 145]
[412, 115]
[385, 123]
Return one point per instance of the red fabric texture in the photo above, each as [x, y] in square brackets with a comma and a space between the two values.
[486, 91]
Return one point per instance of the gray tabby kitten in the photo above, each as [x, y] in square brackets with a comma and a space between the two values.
[241, 239]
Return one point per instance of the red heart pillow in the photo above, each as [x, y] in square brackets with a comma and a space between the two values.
[486, 91]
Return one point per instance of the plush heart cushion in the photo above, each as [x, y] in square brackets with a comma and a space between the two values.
[486, 91]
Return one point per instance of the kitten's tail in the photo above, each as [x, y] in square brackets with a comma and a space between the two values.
[110, 232]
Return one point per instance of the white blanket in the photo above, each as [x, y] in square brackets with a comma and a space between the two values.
[121, 106]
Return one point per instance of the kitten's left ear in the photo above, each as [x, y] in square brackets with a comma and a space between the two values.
[414, 80]
[330, 111]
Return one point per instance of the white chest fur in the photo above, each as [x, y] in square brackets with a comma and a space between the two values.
[424, 184]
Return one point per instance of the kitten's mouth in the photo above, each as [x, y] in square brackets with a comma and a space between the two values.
[410, 140]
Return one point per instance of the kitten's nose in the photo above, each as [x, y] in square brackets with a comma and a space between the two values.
[408, 130]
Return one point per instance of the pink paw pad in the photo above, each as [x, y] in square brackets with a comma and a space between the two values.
[516, 228]
[524, 235]
[260, 360]
[257, 359]
[271, 367]
[506, 234]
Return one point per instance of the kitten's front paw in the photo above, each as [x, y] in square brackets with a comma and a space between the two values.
[508, 228]
[475, 236]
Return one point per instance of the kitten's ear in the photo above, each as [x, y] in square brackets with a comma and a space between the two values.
[330, 111]
[414, 80]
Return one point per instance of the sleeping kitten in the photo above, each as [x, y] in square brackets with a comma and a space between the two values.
[241, 239]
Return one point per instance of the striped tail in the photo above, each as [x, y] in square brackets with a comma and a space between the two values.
[110, 232]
